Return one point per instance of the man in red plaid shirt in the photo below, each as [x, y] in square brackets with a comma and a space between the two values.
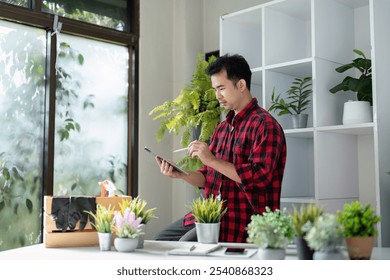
[244, 163]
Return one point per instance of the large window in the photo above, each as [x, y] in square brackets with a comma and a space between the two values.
[67, 107]
[91, 115]
[22, 114]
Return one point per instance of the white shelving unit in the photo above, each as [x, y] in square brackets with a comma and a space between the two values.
[327, 162]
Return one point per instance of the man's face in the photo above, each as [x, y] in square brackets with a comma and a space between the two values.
[228, 94]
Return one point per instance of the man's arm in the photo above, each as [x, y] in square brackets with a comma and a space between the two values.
[201, 149]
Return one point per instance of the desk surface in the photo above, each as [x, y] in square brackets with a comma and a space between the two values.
[151, 250]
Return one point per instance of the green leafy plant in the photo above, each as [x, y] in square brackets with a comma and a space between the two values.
[138, 206]
[306, 213]
[358, 220]
[272, 229]
[103, 218]
[324, 234]
[361, 85]
[297, 99]
[196, 106]
[208, 210]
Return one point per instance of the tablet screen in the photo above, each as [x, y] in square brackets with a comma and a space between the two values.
[177, 168]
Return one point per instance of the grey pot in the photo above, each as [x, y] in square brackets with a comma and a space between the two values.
[299, 120]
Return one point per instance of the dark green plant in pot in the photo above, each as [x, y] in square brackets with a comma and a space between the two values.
[361, 85]
[196, 106]
[297, 99]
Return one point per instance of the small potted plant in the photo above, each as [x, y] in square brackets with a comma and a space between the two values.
[127, 230]
[138, 206]
[195, 108]
[271, 232]
[325, 237]
[208, 213]
[307, 213]
[358, 223]
[358, 111]
[102, 222]
[296, 102]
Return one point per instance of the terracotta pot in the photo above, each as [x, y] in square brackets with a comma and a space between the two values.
[359, 248]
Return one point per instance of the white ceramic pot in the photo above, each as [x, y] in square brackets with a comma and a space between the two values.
[328, 255]
[125, 244]
[207, 233]
[357, 112]
[105, 241]
[271, 253]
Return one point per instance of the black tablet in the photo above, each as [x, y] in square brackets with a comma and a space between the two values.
[175, 167]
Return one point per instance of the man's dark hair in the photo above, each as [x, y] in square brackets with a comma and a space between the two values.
[236, 67]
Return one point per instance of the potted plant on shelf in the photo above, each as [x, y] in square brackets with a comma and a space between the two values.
[358, 224]
[127, 230]
[196, 108]
[102, 222]
[208, 213]
[305, 214]
[138, 206]
[296, 102]
[271, 232]
[358, 111]
[325, 237]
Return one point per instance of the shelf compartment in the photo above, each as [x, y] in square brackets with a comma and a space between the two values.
[287, 34]
[298, 180]
[282, 81]
[241, 33]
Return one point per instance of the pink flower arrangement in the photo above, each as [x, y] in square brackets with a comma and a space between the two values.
[126, 225]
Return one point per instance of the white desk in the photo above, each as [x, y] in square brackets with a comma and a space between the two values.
[152, 250]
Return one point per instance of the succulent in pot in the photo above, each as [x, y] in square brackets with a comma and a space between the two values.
[358, 223]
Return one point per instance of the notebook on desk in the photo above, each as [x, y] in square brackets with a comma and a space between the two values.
[197, 249]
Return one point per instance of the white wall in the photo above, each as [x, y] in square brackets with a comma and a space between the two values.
[172, 33]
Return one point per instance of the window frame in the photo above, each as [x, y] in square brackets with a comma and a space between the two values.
[33, 16]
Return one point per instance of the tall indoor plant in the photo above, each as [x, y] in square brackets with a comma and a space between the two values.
[360, 110]
[358, 223]
[196, 107]
[296, 102]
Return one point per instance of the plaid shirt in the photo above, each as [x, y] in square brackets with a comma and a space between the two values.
[255, 143]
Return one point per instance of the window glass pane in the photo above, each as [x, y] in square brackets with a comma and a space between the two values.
[108, 13]
[91, 116]
[22, 3]
[22, 100]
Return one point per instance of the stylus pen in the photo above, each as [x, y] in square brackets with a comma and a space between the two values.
[180, 150]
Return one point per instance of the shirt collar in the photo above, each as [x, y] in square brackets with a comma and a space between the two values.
[233, 119]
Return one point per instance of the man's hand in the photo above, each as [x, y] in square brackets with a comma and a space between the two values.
[201, 150]
[167, 169]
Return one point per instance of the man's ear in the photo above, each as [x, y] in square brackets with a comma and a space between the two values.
[241, 84]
